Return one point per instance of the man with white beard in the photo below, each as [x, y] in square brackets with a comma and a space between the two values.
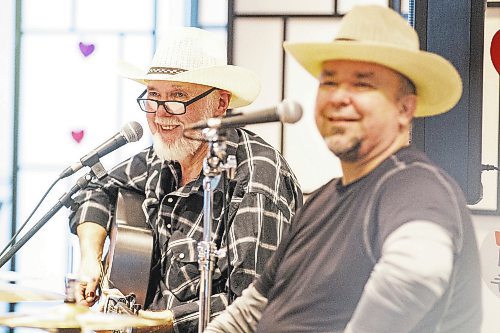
[189, 81]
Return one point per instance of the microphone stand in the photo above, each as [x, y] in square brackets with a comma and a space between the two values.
[65, 200]
[213, 165]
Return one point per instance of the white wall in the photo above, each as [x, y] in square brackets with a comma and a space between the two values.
[489, 253]
[487, 225]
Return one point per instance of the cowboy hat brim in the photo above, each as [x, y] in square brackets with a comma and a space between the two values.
[437, 82]
[243, 84]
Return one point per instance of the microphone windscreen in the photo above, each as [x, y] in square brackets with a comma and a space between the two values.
[289, 111]
[132, 131]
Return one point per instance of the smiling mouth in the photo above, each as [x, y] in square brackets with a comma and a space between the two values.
[168, 127]
[340, 119]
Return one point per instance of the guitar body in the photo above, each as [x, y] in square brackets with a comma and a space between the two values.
[128, 264]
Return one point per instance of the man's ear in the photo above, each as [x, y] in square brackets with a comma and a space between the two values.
[224, 98]
[407, 107]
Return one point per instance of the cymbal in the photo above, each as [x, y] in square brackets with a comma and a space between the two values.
[113, 321]
[62, 316]
[12, 276]
[11, 293]
[70, 315]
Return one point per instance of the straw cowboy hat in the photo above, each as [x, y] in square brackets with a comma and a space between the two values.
[196, 56]
[380, 35]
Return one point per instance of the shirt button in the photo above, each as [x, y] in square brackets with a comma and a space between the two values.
[181, 255]
[169, 226]
[170, 200]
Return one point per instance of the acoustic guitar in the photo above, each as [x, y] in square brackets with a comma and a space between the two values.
[128, 263]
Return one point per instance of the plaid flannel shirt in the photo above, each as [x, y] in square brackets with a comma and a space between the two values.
[264, 198]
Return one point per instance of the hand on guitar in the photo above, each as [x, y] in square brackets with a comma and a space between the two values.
[91, 237]
[90, 278]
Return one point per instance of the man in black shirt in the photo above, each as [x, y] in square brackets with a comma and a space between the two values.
[389, 246]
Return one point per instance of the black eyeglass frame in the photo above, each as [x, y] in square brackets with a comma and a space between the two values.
[163, 103]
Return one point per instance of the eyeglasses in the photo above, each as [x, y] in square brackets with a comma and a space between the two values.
[173, 107]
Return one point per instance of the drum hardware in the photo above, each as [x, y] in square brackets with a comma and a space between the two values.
[70, 315]
[122, 304]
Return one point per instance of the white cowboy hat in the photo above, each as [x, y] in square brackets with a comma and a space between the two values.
[194, 55]
[380, 35]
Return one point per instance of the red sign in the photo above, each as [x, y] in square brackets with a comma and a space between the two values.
[495, 51]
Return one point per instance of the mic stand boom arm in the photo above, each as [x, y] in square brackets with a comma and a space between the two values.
[213, 166]
[65, 200]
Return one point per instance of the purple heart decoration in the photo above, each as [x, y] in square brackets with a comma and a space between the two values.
[86, 49]
[78, 135]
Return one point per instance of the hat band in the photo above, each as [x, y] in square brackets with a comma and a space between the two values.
[165, 70]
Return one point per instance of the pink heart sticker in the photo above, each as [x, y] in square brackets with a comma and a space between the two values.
[78, 135]
[86, 49]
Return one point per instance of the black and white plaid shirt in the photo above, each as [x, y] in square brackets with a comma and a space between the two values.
[265, 196]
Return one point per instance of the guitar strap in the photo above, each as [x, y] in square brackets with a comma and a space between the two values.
[231, 184]
[155, 273]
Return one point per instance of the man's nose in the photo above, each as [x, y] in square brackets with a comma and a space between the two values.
[340, 96]
[162, 111]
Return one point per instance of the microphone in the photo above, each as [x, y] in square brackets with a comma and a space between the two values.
[131, 132]
[287, 112]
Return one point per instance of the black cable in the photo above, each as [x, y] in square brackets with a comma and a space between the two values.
[225, 206]
[13, 239]
[225, 222]
[488, 167]
[226, 231]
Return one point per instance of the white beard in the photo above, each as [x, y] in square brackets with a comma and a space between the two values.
[175, 151]
[183, 147]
